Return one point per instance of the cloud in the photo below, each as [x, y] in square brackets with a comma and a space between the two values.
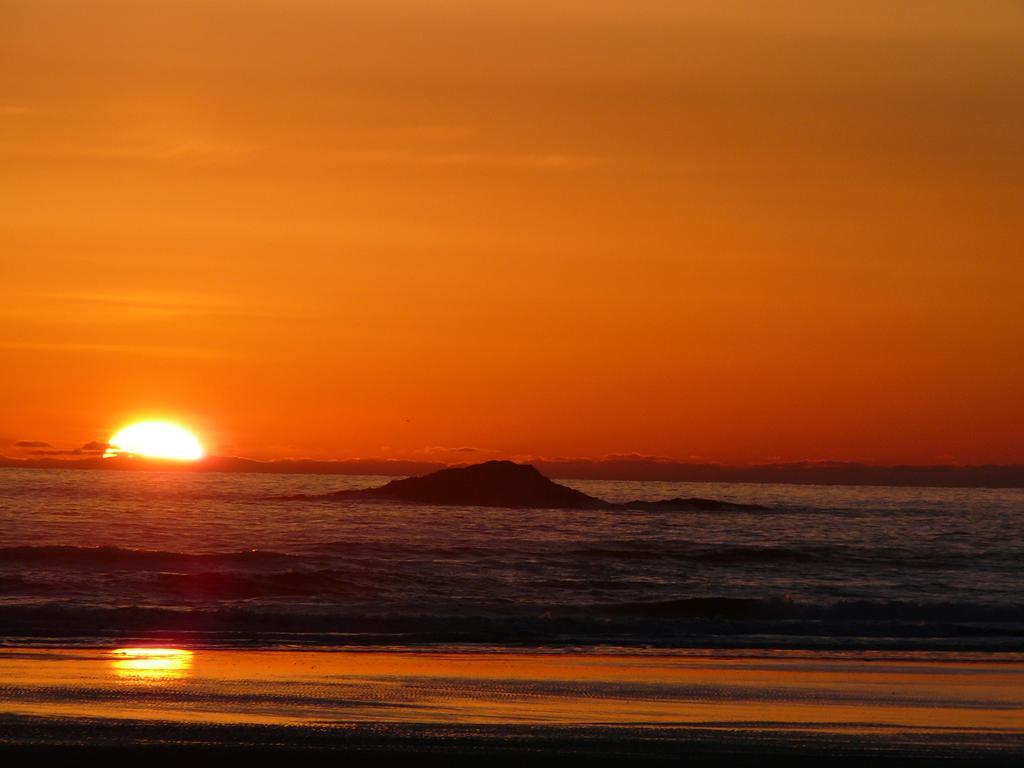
[637, 457]
[170, 151]
[120, 349]
[542, 160]
[42, 448]
[444, 450]
[77, 305]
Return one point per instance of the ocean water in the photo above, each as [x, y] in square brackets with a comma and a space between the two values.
[90, 557]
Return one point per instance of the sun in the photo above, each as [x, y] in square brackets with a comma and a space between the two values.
[155, 440]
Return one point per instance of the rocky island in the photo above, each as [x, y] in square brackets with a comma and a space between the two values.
[512, 485]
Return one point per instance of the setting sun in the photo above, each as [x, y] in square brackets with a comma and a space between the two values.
[155, 440]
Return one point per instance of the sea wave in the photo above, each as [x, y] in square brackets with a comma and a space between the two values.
[695, 622]
[781, 609]
[698, 553]
[117, 557]
[220, 585]
[383, 553]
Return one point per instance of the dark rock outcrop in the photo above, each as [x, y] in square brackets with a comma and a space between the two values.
[491, 484]
[507, 484]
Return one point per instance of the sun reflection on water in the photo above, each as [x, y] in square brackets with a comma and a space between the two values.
[151, 665]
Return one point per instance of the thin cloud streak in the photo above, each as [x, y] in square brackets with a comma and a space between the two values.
[162, 351]
[552, 160]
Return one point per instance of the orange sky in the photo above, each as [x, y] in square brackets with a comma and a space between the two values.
[737, 231]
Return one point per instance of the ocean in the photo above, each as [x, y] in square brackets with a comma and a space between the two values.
[94, 558]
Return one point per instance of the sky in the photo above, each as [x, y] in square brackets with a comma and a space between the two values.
[718, 231]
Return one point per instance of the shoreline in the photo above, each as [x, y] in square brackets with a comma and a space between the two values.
[713, 707]
[965, 654]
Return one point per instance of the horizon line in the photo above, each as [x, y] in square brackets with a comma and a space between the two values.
[618, 467]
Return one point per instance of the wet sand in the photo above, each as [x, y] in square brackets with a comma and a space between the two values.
[790, 708]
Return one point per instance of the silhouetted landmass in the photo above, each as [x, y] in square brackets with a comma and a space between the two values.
[507, 484]
[615, 468]
[491, 484]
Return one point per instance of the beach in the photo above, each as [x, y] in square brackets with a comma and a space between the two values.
[711, 707]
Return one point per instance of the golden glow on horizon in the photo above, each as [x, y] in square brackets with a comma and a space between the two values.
[155, 440]
[151, 664]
